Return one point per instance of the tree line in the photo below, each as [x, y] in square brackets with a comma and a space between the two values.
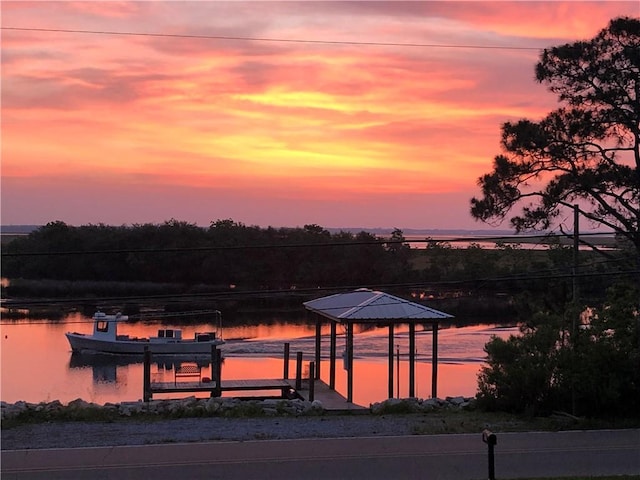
[227, 253]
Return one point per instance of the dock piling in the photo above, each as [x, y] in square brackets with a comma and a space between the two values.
[332, 356]
[214, 368]
[216, 371]
[434, 362]
[299, 371]
[286, 361]
[146, 381]
[312, 369]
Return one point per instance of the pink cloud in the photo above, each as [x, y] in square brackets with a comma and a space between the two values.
[267, 131]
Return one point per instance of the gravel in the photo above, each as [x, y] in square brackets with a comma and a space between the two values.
[135, 432]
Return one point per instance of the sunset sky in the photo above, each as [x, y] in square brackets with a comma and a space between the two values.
[344, 114]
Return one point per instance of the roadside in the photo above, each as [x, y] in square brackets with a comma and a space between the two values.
[153, 430]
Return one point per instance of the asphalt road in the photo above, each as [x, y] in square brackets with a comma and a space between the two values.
[442, 457]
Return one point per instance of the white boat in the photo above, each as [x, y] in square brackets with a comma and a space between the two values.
[105, 339]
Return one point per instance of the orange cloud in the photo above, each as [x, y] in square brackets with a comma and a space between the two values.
[294, 121]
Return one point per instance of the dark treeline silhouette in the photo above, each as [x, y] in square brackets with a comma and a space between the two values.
[226, 253]
[180, 257]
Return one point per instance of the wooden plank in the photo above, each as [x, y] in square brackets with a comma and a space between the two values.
[254, 384]
[225, 385]
[331, 400]
[181, 387]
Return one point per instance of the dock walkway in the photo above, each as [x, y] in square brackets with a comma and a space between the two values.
[309, 389]
[265, 384]
[331, 400]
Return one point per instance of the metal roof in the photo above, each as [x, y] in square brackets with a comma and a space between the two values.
[369, 305]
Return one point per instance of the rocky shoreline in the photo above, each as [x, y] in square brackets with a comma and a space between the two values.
[83, 424]
[206, 407]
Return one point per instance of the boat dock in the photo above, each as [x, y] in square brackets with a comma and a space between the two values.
[192, 379]
[212, 387]
[331, 400]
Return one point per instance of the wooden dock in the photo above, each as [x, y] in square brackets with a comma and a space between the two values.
[331, 400]
[309, 389]
[259, 384]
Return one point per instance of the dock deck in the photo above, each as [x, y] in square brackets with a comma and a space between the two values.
[331, 400]
[305, 388]
[225, 386]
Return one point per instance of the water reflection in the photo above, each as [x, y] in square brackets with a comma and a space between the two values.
[105, 367]
[37, 363]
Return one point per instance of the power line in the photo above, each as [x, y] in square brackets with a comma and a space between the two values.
[228, 295]
[267, 39]
[379, 241]
[133, 317]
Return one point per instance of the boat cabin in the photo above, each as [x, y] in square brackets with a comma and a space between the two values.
[170, 333]
[104, 326]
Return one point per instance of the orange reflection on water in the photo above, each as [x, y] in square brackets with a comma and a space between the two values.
[271, 331]
[370, 378]
[37, 364]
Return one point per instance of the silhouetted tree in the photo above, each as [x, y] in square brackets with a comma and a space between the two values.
[587, 152]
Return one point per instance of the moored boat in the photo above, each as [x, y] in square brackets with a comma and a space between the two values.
[169, 341]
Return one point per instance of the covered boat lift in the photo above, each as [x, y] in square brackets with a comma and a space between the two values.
[364, 306]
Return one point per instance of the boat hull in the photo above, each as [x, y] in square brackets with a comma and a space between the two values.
[86, 343]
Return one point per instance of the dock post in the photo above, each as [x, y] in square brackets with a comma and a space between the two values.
[312, 382]
[434, 362]
[349, 361]
[412, 360]
[316, 369]
[299, 371]
[390, 375]
[216, 360]
[214, 367]
[146, 378]
[332, 359]
[218, 377]
[398, 370]
[285, 374]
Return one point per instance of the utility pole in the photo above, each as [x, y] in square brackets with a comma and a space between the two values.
[576, 246]
[576, 293]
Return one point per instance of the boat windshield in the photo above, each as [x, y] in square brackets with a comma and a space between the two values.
[102, 326]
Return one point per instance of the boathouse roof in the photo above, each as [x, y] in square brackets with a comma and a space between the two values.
[365, 305]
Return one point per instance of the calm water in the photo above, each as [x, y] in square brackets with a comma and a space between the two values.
[37, 363]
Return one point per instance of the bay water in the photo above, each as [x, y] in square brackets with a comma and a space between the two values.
[38, 365]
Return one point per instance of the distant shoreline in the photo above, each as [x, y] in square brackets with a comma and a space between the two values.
[381, 231]
[417, 238]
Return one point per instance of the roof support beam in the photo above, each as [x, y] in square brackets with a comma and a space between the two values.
[434, 361]
[316, 374]
[391, 341]
[332, 357]
[349, 361]
[412, 359]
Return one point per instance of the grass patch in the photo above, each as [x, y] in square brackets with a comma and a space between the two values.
[434, 423]
[87, 414]
[245, 410]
